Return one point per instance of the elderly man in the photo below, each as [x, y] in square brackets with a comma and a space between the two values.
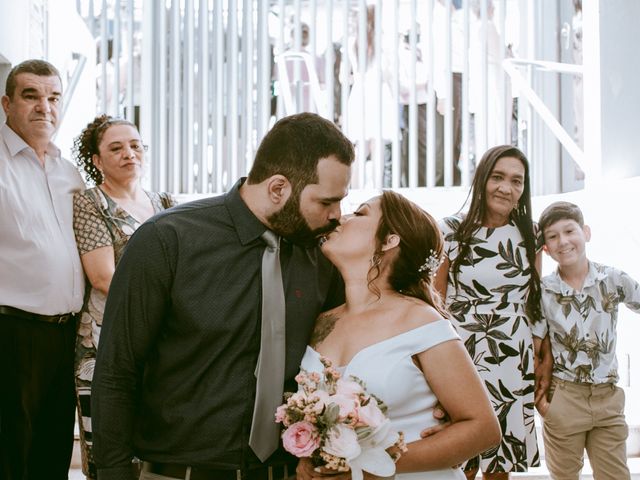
[41, 280]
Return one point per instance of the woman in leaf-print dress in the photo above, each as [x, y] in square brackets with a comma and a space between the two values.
[111, 153]
[490, 280]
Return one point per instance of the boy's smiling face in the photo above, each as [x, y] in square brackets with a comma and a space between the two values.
[565, 242]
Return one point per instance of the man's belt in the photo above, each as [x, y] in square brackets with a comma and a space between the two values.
[16, 312]
[278, 472]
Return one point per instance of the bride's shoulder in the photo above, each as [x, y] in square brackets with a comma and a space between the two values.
[419, 314]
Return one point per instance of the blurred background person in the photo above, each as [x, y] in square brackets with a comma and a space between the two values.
[364, 114]
[449, 87]
[489, 126]
[405, 82]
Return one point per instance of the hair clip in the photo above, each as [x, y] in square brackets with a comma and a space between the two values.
[431, 264]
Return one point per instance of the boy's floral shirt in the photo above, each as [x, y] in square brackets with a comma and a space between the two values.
[582, 324]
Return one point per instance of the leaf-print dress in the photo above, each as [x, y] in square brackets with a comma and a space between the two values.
[488, 309]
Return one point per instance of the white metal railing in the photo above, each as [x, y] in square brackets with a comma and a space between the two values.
[80, 62]
[318, 101]
[201, 76]
[522, 84]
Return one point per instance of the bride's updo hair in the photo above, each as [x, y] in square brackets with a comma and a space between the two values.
[413, 269]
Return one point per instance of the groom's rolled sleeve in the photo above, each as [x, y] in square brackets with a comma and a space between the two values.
[137, 303]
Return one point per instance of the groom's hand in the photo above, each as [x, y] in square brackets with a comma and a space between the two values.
[439, 413]
[306, 471]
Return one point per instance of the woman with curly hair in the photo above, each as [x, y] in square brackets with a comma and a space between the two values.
[490, 281]
[111, 153]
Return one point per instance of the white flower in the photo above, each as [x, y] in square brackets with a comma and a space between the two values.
[373, 456]
[371, 415]
[348, 404]
[348, 388]
[322, 400]
[342, 441]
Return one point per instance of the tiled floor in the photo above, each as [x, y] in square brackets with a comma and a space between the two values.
[534, 474]
[541, 473]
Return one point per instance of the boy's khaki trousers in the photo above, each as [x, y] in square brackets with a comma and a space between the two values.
[586, 416]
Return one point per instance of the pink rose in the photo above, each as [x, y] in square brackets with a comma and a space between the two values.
[301, 439]
[342, 442]
[281, 413]
[348, 388]
[371, 415]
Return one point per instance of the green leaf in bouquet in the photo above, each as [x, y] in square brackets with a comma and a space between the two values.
[363, 432]
[358, 381]
[381, 405]
[330, 415]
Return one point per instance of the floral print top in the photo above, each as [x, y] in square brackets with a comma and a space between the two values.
[582, 324]
[98, 221]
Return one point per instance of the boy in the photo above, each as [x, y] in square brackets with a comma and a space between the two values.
[585, 408]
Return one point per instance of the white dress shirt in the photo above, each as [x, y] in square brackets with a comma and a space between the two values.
[40, 269]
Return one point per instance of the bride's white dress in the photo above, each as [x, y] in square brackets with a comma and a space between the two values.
[389, 373]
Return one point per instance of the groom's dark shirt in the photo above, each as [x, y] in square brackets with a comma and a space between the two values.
[174, 379]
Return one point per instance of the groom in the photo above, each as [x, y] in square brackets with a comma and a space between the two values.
[174, 382]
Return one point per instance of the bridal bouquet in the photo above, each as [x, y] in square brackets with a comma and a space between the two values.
[340, 426]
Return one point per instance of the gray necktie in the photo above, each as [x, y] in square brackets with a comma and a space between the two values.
[265, 432]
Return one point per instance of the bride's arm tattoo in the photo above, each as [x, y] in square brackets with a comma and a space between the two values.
[323, 327]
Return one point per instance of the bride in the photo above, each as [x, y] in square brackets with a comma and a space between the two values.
[392, 333]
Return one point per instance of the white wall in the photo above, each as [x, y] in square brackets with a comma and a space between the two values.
[619, 70]
[611, 69]
[14, 31]
[66, 34]
[14, 38]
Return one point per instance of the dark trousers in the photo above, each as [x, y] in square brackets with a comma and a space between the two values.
[456, 100]
[37, 398]
[422, 146]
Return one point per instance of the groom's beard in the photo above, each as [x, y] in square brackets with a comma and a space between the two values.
[289, 223]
